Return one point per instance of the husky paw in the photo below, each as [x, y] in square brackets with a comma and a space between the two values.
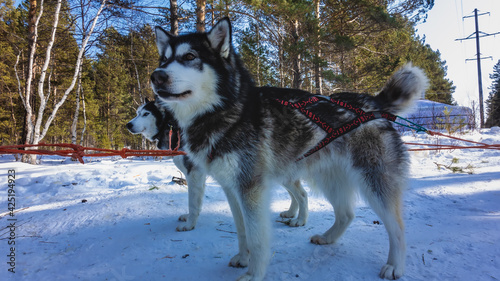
[287, 214]
[296, 222]
[247, 277]
[187, 226]
[184, 217]
[391, 272]
[319, 240]
[240, 261]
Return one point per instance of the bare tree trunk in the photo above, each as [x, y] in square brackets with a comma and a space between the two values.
[259, 83]
[13, 132]
[212, 14]
[74, 125]
[43, 98]
[29, 99]
[84, 117]
[297, 79]
[144, 144]
[200, 15]
[281, 55]
[317, 69]
[20, 92]
[139, 88]
[281, 66]
[174, 18]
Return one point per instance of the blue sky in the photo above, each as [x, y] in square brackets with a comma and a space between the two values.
[445, 24]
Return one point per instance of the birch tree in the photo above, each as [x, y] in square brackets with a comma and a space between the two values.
[36, 133]
[41, 90]
[27, 100]
[77, 109]
[78, 63]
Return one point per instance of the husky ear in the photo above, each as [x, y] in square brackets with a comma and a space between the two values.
[162, 38]
[220, 37]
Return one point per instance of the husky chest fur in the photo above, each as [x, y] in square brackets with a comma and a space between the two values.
[245, 138]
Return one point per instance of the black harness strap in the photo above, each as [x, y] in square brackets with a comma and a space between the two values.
[333, 133]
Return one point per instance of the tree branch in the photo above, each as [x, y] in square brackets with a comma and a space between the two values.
[18, 80]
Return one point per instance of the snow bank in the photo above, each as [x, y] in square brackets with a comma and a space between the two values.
[115, 220]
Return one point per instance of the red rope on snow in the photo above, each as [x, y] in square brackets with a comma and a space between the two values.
[479, 145]
[78, 151]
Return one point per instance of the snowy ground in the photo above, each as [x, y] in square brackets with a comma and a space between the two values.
[115, 219]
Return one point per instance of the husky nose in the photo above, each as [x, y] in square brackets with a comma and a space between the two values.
[129, 126]
[159, 77]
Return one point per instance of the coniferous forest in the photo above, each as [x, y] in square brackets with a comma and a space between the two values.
[493, 101]
[75, 71]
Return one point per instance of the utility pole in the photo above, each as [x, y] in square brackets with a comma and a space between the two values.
[478, 34]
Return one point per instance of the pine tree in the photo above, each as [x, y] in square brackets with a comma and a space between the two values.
[254, 54]
[342, 46]
[493, 102]
[10, 109]
[440, 88]
[122, 74]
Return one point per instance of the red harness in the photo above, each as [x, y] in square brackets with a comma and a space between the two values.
[333, 133]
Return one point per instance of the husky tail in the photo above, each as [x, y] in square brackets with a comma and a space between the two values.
[402, 89]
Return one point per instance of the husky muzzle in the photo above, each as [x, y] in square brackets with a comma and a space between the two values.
[162, 83]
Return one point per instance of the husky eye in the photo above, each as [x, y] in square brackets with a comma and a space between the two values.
[189, 56]
[163, 59]
[145, 114]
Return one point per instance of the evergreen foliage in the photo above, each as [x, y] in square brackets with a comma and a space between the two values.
[493, 102]
[347, 45]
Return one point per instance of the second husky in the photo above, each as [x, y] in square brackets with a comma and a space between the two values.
[155, 125]
[246, 137]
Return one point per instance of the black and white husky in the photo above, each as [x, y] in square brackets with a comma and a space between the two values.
[246, 137]
[155, 124]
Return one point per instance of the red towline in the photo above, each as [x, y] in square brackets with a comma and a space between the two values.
[78, 151]
[478, 145]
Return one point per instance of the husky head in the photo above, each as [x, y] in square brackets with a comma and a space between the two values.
[147, 122]
[154, 124]
[198, 72]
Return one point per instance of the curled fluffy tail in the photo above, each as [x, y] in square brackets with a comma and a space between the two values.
[402, 89]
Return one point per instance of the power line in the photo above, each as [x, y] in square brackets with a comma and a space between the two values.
[478, 34]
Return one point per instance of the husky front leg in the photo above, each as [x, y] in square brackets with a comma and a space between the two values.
[242, 258]
[255, 211]
[195, 178]
[196, 190]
